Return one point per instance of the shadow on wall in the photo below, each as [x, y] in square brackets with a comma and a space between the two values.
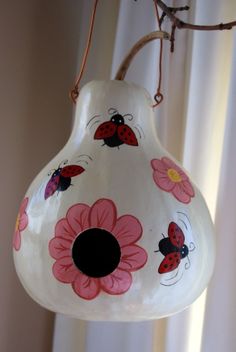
[39, 43]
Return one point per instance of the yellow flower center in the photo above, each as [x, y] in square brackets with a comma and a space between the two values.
[174, 175]
[17, 222]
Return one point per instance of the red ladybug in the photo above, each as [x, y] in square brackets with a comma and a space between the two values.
[61, 179]
[173, 248]
[115, 132]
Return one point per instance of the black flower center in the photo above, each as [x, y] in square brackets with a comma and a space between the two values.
[96, 252]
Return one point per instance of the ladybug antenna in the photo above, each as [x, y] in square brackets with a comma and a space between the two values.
[51, 171]
[112, 111]
[158, 250]
[131, 116]
[191, 246]
[64, 162]
[188, 264]
[94, 117]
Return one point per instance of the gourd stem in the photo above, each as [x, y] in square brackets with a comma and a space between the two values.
[120, 75]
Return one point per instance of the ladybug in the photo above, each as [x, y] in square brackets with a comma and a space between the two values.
[115, 132]
[173, 248]
[61, 179]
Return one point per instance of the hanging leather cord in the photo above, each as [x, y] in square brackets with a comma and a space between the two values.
[120, 75]
[159, 96]
[74, 93]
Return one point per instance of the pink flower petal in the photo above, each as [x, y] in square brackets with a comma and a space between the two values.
[163, 181]
[103, 214]
[86, 287]
[171, 165]
[159, 165]
[188, 188]
[23, 222]
[23, 205]
[132, 258]
[78, 217]
[182, 174]
[17, 240]
[127, 230]
[60, 247]
[116, 283]
[179, 193]
[64, 270]
[63, 229]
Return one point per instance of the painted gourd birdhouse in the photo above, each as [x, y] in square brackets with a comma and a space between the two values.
[113, 228]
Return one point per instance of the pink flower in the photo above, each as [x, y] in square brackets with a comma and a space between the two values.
[96, 251]
[21, 224]
[170, 178]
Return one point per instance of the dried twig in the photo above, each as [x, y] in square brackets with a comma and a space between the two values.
[181, 24]
[177, 23]
[173, 10]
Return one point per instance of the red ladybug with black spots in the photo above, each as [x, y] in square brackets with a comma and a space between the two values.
[61, 179]
[173, 248]
[116, 132]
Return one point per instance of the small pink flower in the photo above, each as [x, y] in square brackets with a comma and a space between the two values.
[21, 224]
[96, 251]
[170, 178]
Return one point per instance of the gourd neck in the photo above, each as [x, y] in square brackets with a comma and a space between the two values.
[107, 101]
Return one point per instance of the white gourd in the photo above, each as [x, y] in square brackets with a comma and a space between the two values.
[113, 179]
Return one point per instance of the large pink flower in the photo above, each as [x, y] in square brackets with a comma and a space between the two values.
[170, 178]
[21, 224]
[96, 251]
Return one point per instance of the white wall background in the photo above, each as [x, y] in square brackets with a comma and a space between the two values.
[38, 46]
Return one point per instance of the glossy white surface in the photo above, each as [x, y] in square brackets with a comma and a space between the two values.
[124, 176]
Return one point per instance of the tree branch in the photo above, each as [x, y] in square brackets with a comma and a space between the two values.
[176, 23]
[173, 10]
[181, 24]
